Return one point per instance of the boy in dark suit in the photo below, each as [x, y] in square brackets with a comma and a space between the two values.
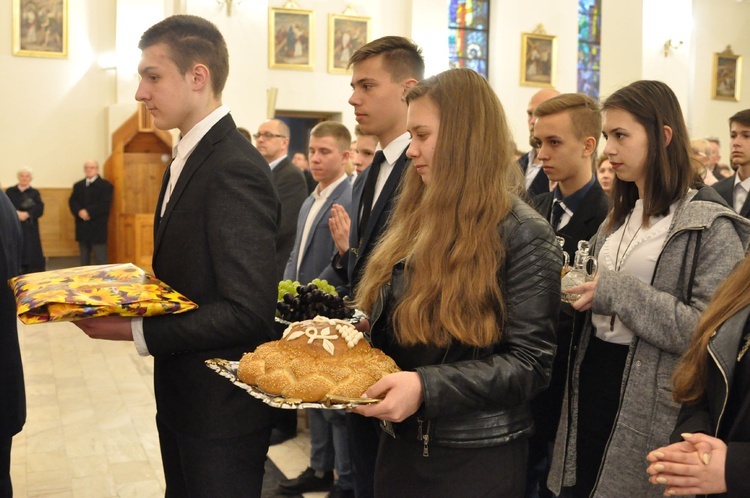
[215, 228]
[383, 71]
[90, 203]
[12, 396]
[734, 189]
[566, 131]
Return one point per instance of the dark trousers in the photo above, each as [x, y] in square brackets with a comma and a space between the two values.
[6, 489]
[208, 468]
[364, 438]
[99, 250]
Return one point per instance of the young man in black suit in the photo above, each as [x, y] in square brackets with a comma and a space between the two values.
[383, 71]
[90, 203]
[566, 132]
[272, 140]
[215, 224]
[12, 396]
[734, 189]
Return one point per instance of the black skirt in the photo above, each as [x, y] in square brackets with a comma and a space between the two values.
[598, 402]
[402, 471]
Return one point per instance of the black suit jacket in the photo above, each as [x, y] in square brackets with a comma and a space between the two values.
[292, 188]
[12, 397]
[725, 188]
[584, 223]
[97, 200]
[540, 184]
[381, 211]
[215, 244]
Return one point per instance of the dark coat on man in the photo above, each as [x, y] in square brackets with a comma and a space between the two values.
[583, 225]
[95, 198]
[362, 244]
[292, 188]
[30, 201]
[214, 244]
[12, 397]
[725, 189]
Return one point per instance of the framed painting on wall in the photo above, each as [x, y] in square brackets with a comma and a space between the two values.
[538, 58]
[40, 28]
[346, 34]
[725, 78]
[290, 39]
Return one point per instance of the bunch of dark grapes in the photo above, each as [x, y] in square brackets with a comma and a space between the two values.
[303, 302]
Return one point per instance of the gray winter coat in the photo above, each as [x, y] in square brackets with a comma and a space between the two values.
[663, 317]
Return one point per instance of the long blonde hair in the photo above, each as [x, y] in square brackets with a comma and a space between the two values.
[447, 231]
[732, 295]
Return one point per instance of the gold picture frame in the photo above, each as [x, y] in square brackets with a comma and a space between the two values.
[726, 76]
[538, 58]
[346, 34]
[290, 39]
[40, 28]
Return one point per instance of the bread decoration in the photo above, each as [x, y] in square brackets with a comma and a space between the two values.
[314, 359]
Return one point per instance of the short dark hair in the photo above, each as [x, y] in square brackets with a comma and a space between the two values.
[742, 117]
[401, 56]
[669, 173]
[190, 40]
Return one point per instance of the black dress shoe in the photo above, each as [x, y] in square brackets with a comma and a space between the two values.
[278, 436]
[305, 483]
[337, 492]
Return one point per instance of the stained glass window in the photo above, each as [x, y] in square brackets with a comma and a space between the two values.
[468, 34]
[589, 46]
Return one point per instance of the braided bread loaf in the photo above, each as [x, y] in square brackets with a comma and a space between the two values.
[313, 359]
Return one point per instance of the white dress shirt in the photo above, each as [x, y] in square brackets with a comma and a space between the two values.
[532, 169]
[182, 152]
[632, 249]
[741, 188]
[392, 152]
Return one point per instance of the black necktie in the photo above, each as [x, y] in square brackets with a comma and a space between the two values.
[368, 191]
[557, 212]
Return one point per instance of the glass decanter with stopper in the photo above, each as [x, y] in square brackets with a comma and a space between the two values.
[580, 273]
[566, 258]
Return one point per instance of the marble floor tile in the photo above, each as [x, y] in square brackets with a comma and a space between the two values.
[90, 429]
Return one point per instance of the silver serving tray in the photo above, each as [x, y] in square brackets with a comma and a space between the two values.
[228, 370]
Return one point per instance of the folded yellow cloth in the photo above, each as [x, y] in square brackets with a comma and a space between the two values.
[91, 291]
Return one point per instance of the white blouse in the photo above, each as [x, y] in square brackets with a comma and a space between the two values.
[634, 249]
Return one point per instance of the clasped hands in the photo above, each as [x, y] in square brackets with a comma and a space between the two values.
[694, 466]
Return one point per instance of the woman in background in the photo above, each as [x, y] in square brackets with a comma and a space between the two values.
[710, 453]
[29, 206]
[463, 291]
[605, 174]
[662, 252]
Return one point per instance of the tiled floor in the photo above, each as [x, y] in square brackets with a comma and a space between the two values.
[90, 430]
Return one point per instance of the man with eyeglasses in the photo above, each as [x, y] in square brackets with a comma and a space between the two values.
[272, 141]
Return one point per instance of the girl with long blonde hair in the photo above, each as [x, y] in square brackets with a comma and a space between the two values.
[463, 292]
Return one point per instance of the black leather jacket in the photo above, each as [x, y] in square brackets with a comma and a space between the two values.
[710, 414]
[477, 397]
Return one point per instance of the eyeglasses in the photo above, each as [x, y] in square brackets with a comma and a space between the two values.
[267, 135]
